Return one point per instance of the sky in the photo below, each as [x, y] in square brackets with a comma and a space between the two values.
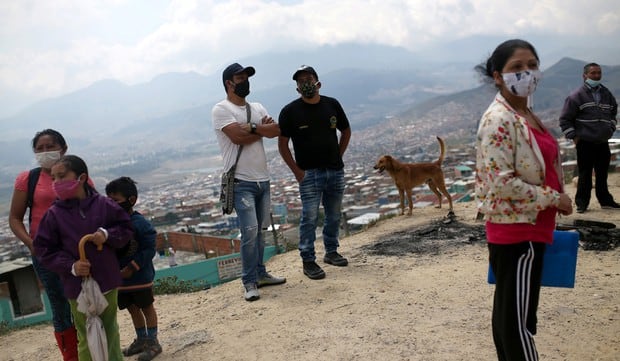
[52, 47]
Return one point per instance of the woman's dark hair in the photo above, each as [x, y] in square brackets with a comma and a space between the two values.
[78, 166]
[58, 138]
[500, 56]
[123, 185]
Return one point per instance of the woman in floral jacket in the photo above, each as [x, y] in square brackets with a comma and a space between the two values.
[519, 190]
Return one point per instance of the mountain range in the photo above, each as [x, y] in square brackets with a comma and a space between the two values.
[117, 125]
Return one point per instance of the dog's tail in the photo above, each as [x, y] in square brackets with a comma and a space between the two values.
[442, 151]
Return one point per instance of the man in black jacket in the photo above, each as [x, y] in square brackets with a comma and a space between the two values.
[589, 120]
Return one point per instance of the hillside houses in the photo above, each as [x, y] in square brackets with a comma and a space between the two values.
[191, 203]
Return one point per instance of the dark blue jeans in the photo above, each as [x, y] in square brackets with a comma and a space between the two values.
[324, 186]
[252, 204]
[61, 310]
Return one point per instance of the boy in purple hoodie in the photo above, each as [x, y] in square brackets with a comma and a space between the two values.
[78, 211]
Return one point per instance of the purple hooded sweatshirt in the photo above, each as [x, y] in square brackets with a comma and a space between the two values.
[60, 231]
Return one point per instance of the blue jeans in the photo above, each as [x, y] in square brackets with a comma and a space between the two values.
[61, 310]
[252, 204]
[320, 186]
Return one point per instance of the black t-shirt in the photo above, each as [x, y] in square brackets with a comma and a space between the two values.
[312, 128]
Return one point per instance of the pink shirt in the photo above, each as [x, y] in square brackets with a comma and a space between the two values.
[542, 230]
[43, 197]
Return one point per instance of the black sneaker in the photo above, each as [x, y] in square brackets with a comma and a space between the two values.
[581, 209]
[313, 270]
[612, 205]
[334, 258]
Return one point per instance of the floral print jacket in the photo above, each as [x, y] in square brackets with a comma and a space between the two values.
[510, 169]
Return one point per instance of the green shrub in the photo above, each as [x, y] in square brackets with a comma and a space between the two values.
[4, 328]
[172, 284]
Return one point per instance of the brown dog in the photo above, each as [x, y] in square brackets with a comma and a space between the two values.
[409, 175]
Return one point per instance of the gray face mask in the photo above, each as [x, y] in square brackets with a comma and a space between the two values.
[308, 89]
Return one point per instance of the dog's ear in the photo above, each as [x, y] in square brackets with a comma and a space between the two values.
[388, 162]
[379, 162]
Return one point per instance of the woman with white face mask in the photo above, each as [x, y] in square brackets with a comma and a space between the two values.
[48, 146]
[519, 191]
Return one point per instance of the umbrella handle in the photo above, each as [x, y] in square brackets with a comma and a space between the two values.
[83, 241]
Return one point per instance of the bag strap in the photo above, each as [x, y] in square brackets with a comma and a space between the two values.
[248, 111]
[33, 178]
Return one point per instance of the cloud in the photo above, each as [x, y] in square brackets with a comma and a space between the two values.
[48, 48]
[609, 23]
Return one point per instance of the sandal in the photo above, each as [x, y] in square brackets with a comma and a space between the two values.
[152, 348]
[135, 348]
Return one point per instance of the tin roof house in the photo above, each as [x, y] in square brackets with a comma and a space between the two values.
[22, 298]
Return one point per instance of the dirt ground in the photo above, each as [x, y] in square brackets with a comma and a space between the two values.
[425, 301]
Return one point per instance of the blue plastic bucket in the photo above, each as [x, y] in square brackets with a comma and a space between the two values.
[560, 262]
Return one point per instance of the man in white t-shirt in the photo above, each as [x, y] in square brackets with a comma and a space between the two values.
[251, 190]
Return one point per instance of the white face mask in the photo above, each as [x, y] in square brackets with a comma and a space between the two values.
[47, 159]
[523, 83]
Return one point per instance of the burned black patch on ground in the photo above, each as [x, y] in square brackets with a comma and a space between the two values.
[433, 238]
[594, 235]
[443, 234]
[598, 239]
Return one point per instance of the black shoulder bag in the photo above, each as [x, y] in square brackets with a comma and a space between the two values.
[227, 198]
[33, 178]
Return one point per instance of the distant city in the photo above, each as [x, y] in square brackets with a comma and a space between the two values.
[177, 163]
[190, 202]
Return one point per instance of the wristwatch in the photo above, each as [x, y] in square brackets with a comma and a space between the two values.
[253, 128]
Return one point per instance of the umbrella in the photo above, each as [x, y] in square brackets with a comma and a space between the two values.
[91, 302]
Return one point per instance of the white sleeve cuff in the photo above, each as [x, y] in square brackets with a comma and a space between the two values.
[73, 269]
[105, 232]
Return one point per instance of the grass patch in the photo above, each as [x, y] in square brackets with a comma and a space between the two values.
[172, 285]
[5, 328]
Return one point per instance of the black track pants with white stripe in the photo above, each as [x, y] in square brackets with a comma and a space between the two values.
[518, 270]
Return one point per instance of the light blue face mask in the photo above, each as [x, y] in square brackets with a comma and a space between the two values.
[593, 83]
